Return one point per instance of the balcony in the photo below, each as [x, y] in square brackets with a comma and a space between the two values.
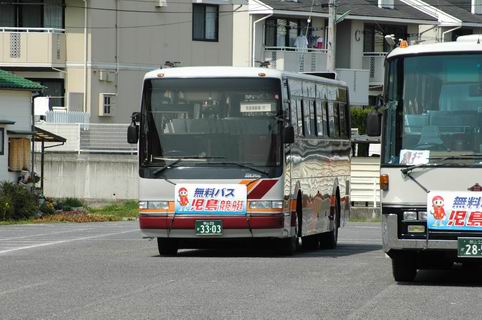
[296, 60]
[32, 47]
[374, 62]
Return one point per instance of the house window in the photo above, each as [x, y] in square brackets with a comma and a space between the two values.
[32, 13]
[205, 22]
[283, 32]
[106, 104]
[2, 141]
[18, 154]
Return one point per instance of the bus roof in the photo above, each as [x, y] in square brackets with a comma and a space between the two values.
[443, 47]
[235, 72]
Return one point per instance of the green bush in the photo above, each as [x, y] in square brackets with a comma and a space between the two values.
[16, 202]
[72, 202]
[47, 207]
[359, 118]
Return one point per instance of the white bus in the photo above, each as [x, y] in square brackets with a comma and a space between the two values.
[431, 161]
[236, 153]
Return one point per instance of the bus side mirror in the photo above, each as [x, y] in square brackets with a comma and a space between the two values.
[133, 129]
[374, 124]
[288, 134]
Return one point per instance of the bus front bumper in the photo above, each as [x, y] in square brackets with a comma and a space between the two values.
[270, 226]
[392, 242]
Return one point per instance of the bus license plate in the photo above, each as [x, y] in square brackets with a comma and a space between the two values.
[209, 227]
[470, 247]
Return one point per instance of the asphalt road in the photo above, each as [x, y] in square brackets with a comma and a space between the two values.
[106, 271]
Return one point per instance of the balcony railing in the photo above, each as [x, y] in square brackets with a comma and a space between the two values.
[295, 59]
[374, 62]
[90, 137]
[32, 47]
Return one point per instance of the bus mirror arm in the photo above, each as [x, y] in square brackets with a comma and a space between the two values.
[288, 134]
[133, 129]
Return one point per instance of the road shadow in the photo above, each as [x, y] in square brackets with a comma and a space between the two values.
[457, 276]
[267, 250]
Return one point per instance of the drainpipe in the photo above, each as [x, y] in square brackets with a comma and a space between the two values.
[32, 109]
[449, 31]
[253, 53]
[85, 54]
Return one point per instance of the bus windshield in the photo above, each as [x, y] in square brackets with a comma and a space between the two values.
[212, 121]
[433, 109]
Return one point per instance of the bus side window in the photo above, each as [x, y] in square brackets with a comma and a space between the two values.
[299, 116]
[336, 114]
[331, 120]
[343, 121]
[307, 130]
[320, 126]
[325, 118]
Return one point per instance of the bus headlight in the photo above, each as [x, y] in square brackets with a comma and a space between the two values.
[422, 215]
[164, 205]
[410, 215]
[266, 204]
[142, 204]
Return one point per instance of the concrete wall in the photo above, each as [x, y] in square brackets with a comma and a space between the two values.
[90, 176]
[14, 106]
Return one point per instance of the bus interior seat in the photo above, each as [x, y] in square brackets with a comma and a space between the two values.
[414, 123]
[430, 139]
[453, 122]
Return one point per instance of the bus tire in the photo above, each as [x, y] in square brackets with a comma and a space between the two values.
[329, 240]
[311, 242]
[167, 247]
[404, 267]
[288, 246]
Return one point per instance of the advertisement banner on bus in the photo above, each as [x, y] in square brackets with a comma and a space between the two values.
[454, 210]
[211, 199]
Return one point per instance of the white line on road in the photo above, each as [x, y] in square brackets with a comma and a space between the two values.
[65, 241]
[43, 234]
[24, 287]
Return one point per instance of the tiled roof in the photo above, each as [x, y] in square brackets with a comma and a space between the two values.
[460, 9]
[368, 8]
[10, 81]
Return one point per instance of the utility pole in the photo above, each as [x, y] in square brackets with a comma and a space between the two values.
[331, 43]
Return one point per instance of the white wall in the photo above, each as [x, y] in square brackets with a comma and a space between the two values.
[91, 176]
[14, 106]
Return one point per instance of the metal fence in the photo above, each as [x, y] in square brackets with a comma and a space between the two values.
[89, 137]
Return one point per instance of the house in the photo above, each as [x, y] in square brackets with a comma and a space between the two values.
[91, 55]
[15, 125]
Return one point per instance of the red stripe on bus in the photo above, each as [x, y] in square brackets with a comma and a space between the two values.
[261, 189]
[274, 221]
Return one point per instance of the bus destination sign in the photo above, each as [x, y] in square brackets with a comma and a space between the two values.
[211, 199]
[447, 210]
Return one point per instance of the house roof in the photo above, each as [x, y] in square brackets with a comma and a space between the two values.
[11, 81]
[368, 8]
[460, 9]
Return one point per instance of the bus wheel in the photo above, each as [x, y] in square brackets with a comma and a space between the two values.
[288, 246]
[329, 240]
[404, 267]
[167, 247]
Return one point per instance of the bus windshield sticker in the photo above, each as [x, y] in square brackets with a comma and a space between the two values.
[414, 157]
[454, 210]
[211, 199]
[257, 107]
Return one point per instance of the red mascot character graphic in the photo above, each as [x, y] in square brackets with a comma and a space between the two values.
[438, 211]
[183, 199]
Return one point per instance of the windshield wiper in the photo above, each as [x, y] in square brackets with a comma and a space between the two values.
[243, 165]
[406, 171]
[173, 163]
[441, 162]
